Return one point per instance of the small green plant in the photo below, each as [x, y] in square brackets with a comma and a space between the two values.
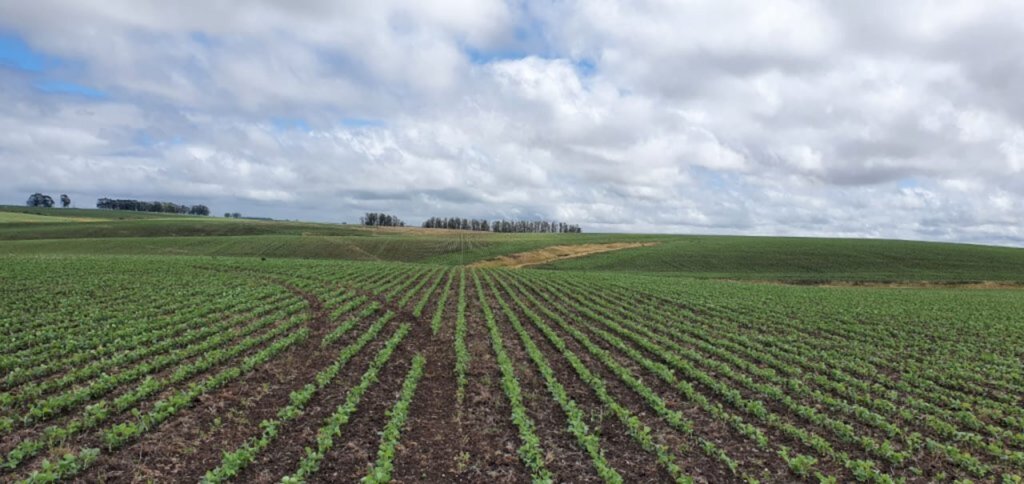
[800, 465]
[462, 462]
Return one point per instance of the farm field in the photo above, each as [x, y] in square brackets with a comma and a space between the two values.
[511, 241]
[791, 259]
[219, 369]
[176, 349]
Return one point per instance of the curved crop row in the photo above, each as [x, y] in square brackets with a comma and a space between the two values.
[343, 413]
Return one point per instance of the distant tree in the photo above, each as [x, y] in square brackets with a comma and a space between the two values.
[155, 207]
[65, 200]
[374, 219]
[227, 214]
[236, 215]
[39, 200]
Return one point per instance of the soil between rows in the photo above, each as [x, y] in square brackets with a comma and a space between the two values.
[692, 459]
[92, 438]
[757, 462]
[623, 453]
[12, 439]
[927, 462]
[930, 465]
[565, 459]
[191, 442]
[474, 442]
[488, 439]
[427, 450]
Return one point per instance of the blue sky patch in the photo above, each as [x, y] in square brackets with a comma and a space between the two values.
[361, 123]
[202, 39]
[908, 183]
[64, 87]
[585, 67]
[287, 124]
[145, 139]
[14, 52]
[711, 179]
[481, 57]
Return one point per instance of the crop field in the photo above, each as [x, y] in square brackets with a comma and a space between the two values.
[188, 369]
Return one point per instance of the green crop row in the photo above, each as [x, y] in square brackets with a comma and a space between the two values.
[422, 303]
[575, 417]
[342, 328]
[461, 353]
[913, 441]
[381, 471]
[530, 451]
[640, 432]
[233, 462]
[100, 412]
[332, 426]
[673, 418]
[204, 328]
[437, 319]
[162, 410]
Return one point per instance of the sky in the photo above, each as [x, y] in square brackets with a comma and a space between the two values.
[854, 119]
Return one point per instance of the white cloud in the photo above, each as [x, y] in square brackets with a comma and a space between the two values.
[783, 117]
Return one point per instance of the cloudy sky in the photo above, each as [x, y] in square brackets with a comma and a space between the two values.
[868, 118]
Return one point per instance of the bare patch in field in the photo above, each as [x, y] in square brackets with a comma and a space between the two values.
[18, 217]
[555, 253]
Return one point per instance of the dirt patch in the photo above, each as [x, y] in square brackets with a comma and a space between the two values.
[427, 451]
[487, 438]
[555, 253]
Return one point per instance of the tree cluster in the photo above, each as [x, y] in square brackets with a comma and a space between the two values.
[39, 200]
[374, 219]
[46, 201]
[141, 206]
[456, 223]
[506, 226]
[535, 226]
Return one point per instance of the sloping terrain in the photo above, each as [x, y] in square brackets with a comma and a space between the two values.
[252, 370]
[795, 260]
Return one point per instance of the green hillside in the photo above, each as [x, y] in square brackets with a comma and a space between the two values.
[26, 231]
[811, 259]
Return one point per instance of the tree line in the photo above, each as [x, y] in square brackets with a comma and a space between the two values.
[504, 226]
[141, 206]
[375, 219]
[456, 223]
[40, 200]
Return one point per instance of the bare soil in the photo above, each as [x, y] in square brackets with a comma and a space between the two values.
[555, 253]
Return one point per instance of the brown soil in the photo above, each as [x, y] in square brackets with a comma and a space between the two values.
[930, 463]
[355, 450]
[692, 460]
[555, 253]
[565, 459]
[488, 441]
[470, 441]
[191, 443]
[425, 452]
[621, 451]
